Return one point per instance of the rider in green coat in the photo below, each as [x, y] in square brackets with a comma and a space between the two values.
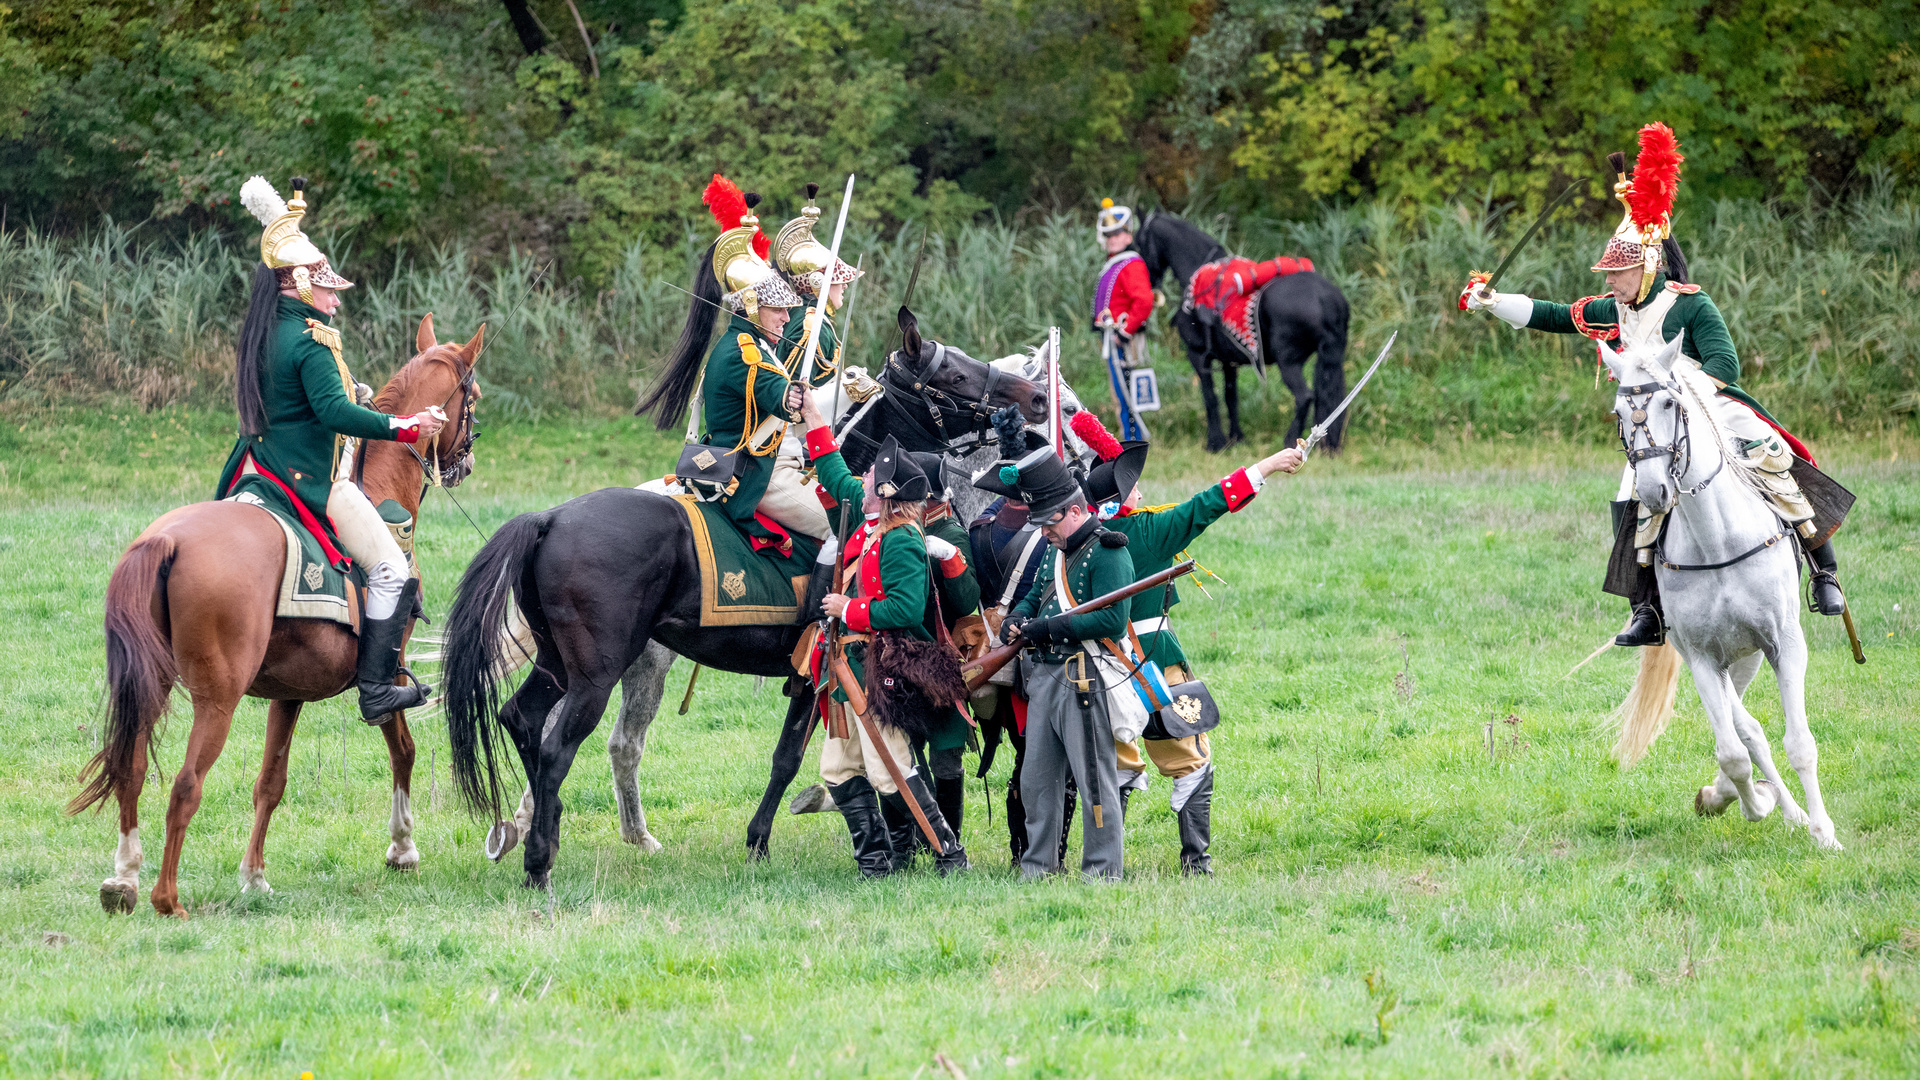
[298, 427]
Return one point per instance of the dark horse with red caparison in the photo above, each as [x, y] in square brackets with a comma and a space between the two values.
[1301, 315]
[192, 602]
[611, 577]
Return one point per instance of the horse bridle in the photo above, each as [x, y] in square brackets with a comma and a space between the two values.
[903, 384]
[1639, 396]
[461, 460]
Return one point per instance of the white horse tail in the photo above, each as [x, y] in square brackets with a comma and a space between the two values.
[1643, 715]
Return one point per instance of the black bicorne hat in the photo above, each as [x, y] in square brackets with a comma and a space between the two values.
[1113, 481]
[939, 484]
[1040, 480]
[896, 475]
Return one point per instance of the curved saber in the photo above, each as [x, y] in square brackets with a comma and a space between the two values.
[1566, 194]
[1320, 429]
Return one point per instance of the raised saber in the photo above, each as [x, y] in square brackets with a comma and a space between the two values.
[1528, 235]
[1320, 429]
[833, 260]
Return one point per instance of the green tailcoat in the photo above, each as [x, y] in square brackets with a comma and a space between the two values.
[308, 394]
[1154, 539]
[960, 594]
[1707, 340]
[743, 385]
[793, 348]
[1093, 571]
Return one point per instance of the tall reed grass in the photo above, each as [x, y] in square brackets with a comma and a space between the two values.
[1821, 303]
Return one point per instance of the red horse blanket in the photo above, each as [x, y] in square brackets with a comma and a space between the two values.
[1231, 289]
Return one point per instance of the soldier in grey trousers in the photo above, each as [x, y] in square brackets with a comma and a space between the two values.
[1061, 735]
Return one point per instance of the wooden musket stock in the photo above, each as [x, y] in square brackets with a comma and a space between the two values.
[979, 671]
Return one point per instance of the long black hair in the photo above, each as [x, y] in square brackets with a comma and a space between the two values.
[250, 352]
[667, 398]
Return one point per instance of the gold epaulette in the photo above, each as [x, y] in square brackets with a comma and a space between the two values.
[330, 337]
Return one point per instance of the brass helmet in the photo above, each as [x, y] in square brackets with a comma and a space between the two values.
[287, 251]
[803, 258]
[1648, 196]
[738, 261]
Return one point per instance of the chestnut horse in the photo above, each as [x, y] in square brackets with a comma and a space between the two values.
[192, 602]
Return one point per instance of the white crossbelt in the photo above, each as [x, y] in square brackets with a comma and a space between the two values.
[1155, 625]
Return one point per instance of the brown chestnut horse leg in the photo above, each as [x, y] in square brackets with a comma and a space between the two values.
[401, 854]
[268, 791]
[120, 894]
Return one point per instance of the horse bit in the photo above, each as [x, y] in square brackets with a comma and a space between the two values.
[939, 402]
[1639, 396]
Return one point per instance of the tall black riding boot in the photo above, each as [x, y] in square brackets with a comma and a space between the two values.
[861, 807]
[1827, 599]
[902, 831]
[380, 641]
[1196, 829]
[952, 856]
[1648, 625]
[951, 794]
[819, 584]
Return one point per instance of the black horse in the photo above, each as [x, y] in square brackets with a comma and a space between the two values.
[1300, 315]
[605, 576]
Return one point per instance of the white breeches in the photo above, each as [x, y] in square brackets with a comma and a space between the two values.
[365, 536]
[789, 498]
[843, 759]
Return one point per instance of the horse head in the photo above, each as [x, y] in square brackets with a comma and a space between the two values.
[955, 384]
[1651, 411]
[443, 375]
[1169, 242]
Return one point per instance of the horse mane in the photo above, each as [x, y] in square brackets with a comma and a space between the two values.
[392, 396]
[1151, 241]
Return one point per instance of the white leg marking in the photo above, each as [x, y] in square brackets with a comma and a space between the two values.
[401, 854]
[127, 860]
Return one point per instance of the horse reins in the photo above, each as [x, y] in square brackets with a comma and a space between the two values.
[903, 386]
[1639, 396]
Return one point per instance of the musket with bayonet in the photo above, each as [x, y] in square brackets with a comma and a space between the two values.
[1321, 429]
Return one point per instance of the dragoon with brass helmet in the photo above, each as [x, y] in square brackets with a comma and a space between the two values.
[804, 260]
[299, 422]
[1650, 301]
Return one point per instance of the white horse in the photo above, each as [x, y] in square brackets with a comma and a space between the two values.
[1728, 570]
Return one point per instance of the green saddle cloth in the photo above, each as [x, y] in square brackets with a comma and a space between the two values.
[310, 586]
[738, 585]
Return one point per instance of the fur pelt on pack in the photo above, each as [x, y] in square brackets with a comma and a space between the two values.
[912, 683]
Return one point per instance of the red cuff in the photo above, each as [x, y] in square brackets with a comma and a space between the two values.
[1239, 490]
[407, 434]
[826, 500]
[857, 618]
[820, 442]
[953, 567]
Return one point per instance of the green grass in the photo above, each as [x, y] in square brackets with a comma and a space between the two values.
[1392, 899]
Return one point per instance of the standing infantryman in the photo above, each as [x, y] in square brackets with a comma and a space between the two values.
[1156, 535]
[1122, 303]
[299, 424]
[1648, 302]
[1069, 731]
[746, 399]
[958, 590]
[909, 680]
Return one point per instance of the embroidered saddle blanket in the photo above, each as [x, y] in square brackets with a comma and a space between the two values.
[1230, 290]
[310, 586]
[738, 585]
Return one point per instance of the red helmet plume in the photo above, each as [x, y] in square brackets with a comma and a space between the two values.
[728, 205]
[1656, 179]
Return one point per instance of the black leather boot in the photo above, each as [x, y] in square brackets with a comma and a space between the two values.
[952, 857]
[819, 584]
[951, 794]
[861, 807]
[1016, 821]
[1827, 598]
[1646, 628]
[903, 833]
[1196, 829]
[380, 641]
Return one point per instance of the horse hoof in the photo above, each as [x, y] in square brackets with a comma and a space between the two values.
[399, 859]
[645, 842]
[1216, 443]
[535, 881]
[814, 800]
[757, 850]
[502, 838]
[118, 898]
[1706, 802]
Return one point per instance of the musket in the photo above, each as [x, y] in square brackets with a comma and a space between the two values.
[1320, 429]
[833, 260]
[991, 661]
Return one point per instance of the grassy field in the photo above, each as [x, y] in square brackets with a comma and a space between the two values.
[1400, 893]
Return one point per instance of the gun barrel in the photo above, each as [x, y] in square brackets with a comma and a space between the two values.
[990, 662]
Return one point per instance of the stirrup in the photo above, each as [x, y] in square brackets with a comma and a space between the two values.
[1629, 638]
[1830, 580]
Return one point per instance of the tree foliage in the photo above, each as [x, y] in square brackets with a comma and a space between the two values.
[426, 121]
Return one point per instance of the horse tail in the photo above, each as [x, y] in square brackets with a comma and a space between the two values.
[667, 398]
[477, 652]
[1643, 715]
[141, 671]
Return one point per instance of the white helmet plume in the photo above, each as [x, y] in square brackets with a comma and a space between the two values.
[258, 196]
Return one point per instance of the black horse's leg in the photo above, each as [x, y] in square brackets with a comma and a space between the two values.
[1203, 369]
[1330, 383]
[1230, 378]
[572, 721]
[1292, 365]
[787, 755]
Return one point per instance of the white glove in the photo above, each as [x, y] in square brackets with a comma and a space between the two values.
[940, 549]
[1514, 309]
